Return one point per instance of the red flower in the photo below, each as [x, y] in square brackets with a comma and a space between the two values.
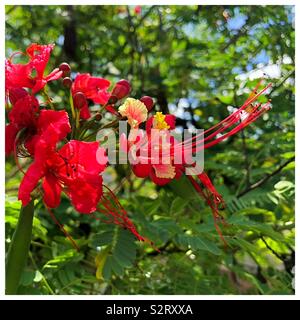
[160, 122]
[31, 75]
[93, 88]
[74, 169]
[163, 173]
[51, 126]
[160, 172]
[24, 114]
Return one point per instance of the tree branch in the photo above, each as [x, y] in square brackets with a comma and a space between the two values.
[279, 84]
[266, 178]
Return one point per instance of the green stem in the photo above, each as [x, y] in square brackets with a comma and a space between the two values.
[49, 100]
[18, 250]
[44, 280]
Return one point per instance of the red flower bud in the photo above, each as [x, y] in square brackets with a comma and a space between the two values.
[138, 10]
[64, 67]
[79, 100]
[67, 82]
[111, 108]
[148, 102]
[121, 89]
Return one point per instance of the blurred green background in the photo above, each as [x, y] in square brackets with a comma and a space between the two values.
[196, 61]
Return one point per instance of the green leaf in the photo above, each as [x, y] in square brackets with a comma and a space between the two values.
[178, 206]
[183, 188]
[197, 243]
[27, 277]
[119, 252]
[69, 256]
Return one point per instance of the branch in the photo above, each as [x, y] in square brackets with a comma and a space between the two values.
[243, 31]
[279, 84]
[277, 255]
[266, 178]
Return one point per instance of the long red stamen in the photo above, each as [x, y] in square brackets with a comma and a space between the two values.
[228, 121]
[62, 228]
[213, 199]
[254, 115]
[111, 207]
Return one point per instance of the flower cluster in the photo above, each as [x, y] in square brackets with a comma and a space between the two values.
[158, 136]
[60, 163]
[60, 140]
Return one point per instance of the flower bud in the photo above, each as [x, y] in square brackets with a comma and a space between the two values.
[67, 82]
[64, 67]
[111, 108]
[148, 102]
[121, 89]
[79, 100]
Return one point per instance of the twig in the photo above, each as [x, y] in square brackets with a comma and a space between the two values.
[266, 178]
[277, 255]
[279, 84]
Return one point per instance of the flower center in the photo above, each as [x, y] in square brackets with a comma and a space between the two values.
[159, 121]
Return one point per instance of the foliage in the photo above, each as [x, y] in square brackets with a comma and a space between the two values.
[196, 60]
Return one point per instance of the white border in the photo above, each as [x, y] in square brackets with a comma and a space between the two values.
[2, 158]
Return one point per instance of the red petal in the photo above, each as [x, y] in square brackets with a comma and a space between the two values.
[39, 85]
[52, 191]
[11, 131]
[85, 112]
[84, 156]
[30, 181]
[158, 181]
[24, 111]
[39, 57]
[54, 75]
[170, 120]
[99, 83]
[16, 75]
[149, 124]
[141, 170]
[93, 88]
[16, 93]
[84, 196]
[53, 126]
[101, 97]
